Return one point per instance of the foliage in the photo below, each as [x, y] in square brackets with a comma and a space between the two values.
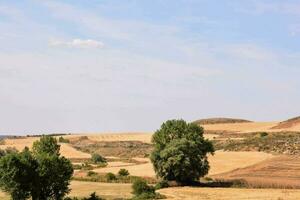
[123, 172]
[162, 184]
[97, 158]
[93, 196]
[140, 186]
[8, 150]
[46, 144]
[263, 134]
[18, 175]
[110, 176]
[276, 142]
[180, 152]
[141, 190]
[91, 173]
[63, 140]
[42, 174]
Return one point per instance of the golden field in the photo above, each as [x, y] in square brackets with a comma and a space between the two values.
[251, 166]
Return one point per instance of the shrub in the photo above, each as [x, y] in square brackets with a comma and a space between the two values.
[263, 134]
[86, 166]
[161, 184]
[91, 173]
[123, 172]
[110, 176]
[97, 158]
[63, 140]
[93, 196]
[140, 186]
[142, 190]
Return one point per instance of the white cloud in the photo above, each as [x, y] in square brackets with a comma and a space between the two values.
[77, 43]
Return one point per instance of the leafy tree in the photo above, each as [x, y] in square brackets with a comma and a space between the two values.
[41, 175]
[18, 175]
[180, 152]
[46, 144]
[55, 174]
[97, 158]
[123, 172]
[110, 176]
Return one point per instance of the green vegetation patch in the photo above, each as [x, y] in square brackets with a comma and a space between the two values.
[282, 143]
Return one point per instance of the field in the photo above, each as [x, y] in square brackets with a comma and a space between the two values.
[129, 150]
[190, 193]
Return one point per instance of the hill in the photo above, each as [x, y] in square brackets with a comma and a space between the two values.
[220, 120]
[288, 123]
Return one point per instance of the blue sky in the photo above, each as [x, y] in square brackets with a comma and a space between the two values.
[120, 65]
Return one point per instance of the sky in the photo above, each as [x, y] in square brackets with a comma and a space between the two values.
[129, 65]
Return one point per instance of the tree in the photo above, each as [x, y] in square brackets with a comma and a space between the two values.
[97, 158]
[46, 144]
[41, 175]
[123, 172]
[180, 152]
[18, 175]
[54, 171]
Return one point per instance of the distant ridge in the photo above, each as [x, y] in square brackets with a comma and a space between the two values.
[288, 123]
[220, 120]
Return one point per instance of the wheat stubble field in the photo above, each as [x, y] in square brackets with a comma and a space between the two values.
[277, 174]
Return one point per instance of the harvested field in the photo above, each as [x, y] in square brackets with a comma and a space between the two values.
[277, 172]
[241, 127]
[194, 193]
[220, 162]
[106, 190]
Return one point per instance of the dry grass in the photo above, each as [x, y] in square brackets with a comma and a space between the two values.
[226, 161]
[241, 127]
[220, 162]
[84, 189]
[107, 190]
[277, 172]
[190, 193]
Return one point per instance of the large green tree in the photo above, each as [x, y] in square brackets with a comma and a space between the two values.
[180, 152]
[42, 174]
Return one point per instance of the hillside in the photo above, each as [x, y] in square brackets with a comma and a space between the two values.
[220, 120]
[290, 123]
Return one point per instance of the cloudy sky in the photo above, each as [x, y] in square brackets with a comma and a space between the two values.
[128, 65]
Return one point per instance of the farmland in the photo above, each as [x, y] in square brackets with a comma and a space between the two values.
[277, 173]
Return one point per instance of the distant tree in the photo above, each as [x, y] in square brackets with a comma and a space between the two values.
[110, 176]
[123, 172]
[97, 158]
[180, 152]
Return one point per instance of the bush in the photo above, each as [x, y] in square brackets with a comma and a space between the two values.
[110, 177]
[123, 172]
[63, 140]
[91, 173]
[263, 134]
[93, 196]
[96, 158]
[86, 166]
[142, 190]
[161, 184]
[140, 186]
